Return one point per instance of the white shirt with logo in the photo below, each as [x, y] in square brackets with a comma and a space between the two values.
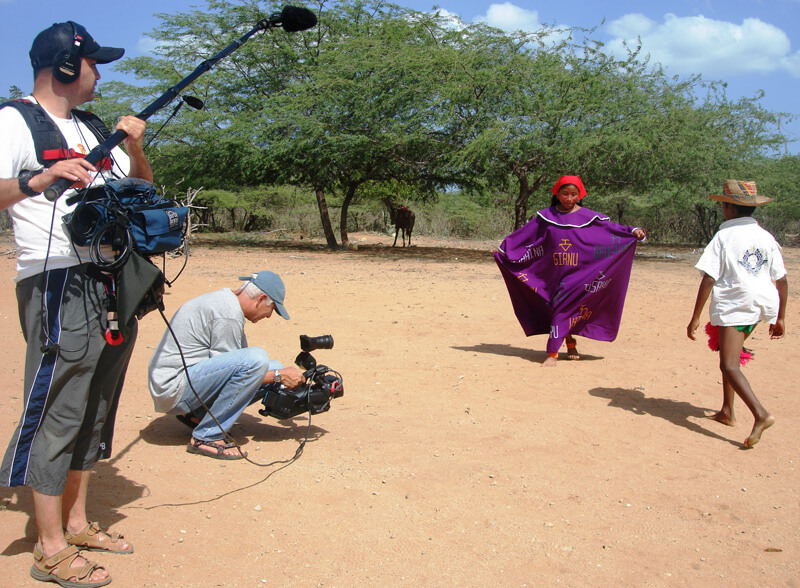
[744, 260]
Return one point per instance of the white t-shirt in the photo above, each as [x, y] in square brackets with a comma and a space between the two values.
[32, 218]
[744, 261]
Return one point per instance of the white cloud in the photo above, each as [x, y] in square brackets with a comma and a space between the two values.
[714, 48]
[509, 17]
[452, 18]
[147, 45]
[631, 25]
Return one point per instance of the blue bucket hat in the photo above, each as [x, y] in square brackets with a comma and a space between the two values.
[271, 285]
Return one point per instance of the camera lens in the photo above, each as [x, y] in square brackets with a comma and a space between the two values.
[311, 343]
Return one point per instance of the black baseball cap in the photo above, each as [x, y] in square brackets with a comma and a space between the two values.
[54, 44]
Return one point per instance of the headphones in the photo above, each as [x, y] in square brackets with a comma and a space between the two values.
[68, 69]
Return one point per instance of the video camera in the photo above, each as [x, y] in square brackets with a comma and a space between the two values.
[322, 385]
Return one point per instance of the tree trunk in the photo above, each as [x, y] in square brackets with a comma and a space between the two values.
[392, 208]
[348, 198]
[700, 214]
[325, 218]
[707, 222]
[620, 211]
[521, 203]
[526, 188]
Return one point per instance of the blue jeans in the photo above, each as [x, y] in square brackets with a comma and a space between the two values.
[227, 384]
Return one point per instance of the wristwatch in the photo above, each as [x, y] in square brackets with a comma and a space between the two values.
[24, 177]
[277, 377]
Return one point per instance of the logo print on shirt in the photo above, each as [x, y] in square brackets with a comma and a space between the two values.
[753, 261]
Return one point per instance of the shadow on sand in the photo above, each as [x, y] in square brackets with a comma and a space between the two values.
[166, 430]
[676, 412]
[109, 492]
[522, 352]
[365, 251]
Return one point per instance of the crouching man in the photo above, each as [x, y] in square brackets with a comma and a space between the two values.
[217, 370]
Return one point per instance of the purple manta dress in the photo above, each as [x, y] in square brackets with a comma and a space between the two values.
[567, 274]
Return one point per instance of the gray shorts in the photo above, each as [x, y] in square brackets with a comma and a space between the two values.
[73, 379]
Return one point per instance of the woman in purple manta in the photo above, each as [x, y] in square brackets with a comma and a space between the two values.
[567, 271]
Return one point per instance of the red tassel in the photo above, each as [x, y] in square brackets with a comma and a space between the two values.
[713, 336]
[713, 343]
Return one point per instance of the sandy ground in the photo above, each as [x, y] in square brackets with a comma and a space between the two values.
[453, 458]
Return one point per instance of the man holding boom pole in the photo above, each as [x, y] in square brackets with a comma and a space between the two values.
[73, 375]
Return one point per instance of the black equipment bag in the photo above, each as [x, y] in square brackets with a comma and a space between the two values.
[140, 289]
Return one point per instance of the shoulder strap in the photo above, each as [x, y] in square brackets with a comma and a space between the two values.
[91, 120]
[47, 139]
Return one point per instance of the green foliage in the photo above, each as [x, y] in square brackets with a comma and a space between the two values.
[14, 92]
[225, 164]
[779, 178]
[455, 214]
[379, 103]
[254, 209]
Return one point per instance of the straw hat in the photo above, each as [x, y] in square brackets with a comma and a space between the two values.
[741, 193]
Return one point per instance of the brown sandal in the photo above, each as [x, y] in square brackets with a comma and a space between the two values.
[93, 538]
[56, 568]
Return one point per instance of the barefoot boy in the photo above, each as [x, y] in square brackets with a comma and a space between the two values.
[743, 271]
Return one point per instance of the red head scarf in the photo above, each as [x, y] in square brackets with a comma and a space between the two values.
[574, 180]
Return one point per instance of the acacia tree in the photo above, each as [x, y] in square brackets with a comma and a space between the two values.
[14, 92]
[376, 93]
[223, 145]
[331, 108]
[779, 178]
[220, 144]
[367, 111]
[571, 108]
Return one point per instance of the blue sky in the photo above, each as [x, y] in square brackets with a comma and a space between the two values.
[752, 45]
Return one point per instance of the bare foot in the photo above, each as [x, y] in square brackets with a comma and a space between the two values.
[572, 353]
[723, 418]
[550, 362]
[758, 428]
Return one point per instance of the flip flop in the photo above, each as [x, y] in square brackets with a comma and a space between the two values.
[218, 446]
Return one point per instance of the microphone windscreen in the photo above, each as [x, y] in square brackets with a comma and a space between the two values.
[295, 19]
[194, 102]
